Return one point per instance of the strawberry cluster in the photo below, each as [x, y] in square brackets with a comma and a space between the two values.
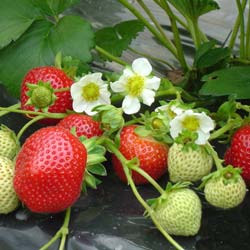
[58, 162]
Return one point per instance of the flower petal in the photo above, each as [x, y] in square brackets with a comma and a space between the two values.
[118, 86]
[175, 127]
[127, 72]
[130, 105]
[96, 78]
[152, 83]
[206, 123]
[75, 89]
[88, 109]
[148, 96]
[105, 97]
[142, 66]
[176, 110]
[78, 105]
[202, 137]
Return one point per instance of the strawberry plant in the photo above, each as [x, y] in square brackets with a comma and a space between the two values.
[155, 130]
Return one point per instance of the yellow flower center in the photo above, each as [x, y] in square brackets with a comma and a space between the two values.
[191, 123]
[135, 85]
[91, 92]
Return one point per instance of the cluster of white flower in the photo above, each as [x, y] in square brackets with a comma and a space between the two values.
[137, 85]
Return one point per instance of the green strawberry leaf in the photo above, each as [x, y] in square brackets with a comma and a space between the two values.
[226, 110]
[117, 39]
[230, 81]
[193, 9]
[54, 7]
[16, 17]
[72, 35]
[207, 56]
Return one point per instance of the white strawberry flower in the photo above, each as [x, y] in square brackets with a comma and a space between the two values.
[137, 85]
[89, 92]
[200, 123]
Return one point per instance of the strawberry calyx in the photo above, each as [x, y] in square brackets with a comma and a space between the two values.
[41, 95]
[155, 202]
[95, 158]
[228, 174]
[110, 117]
[153, 125]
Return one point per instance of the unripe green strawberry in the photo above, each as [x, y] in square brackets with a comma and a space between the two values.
[180, 212]
[8, 197]
[188, 164]
[9, 145]
[225, 188]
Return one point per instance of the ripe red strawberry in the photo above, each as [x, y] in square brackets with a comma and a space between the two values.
[84, 124]
[49, 170]
[37, 91]
[151, 154]
[239, 154]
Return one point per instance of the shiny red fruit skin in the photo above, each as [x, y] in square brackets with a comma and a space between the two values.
[84, 124]
[49, 170]
[240, 151]
[151, 154]
[58, 80]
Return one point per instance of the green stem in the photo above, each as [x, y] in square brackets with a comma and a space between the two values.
[15, 106]
[28, 124]
[195, 32]
[149, 178]
[213, 153]
[236, 27]
[152, 17]
[167, 92]
[152, 58]
[112, 148]
[243, 107]
[61, 90]
[242, 29]
[248, 34]
[176, 33]
[27, 112]
[165, 42]
[217, 133]
[61, 233]
[239, 60]
[110, 56]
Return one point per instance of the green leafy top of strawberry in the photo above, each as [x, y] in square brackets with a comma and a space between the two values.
[154, 203]
[41, 95]
[229, 174]
[154, 124]
[94, 166]
[111, 118]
